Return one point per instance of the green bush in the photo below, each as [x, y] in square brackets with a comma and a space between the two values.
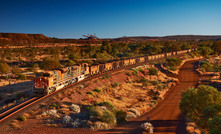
[201, 104]
[108, 117]
[54, 105]
[173, 62]
[205, 66]
[21, 77]
[214, 125]
[172, 68]
[127, 73]
[106, 77]
[97, 90]
[22, 118]
[141, 70]
[114, 85]
[154, 83]
[89, 92]
[153, 71]
[159, 87]
[107, 104]
[121, 116]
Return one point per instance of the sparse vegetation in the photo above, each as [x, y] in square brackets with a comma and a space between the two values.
[173, 62]
[153, 71]
[121, 116]
[21, 77]
[89, 92]
[127, 73]
[202, 112]
[22, 118]
[114, 85]
[97, 90]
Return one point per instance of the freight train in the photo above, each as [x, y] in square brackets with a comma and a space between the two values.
[50, 81]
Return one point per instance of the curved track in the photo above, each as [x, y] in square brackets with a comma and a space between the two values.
[19, 109]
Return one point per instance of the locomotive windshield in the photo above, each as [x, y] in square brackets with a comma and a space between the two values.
[46, 75]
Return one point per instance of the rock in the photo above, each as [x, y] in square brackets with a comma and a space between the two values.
[103, 108]
[76, 123]
[52, 112]
[75, 108]
[130, 115]
[100, 126]
[81, 86]
[197, 131]
[190, 129]
[147, 127]
[133, 110]
[67, 119]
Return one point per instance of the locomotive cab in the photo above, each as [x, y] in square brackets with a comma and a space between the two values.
[41, 82]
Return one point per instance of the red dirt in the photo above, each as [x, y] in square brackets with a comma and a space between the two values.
[166, 117]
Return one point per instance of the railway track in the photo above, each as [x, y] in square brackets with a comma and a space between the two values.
[28, 104]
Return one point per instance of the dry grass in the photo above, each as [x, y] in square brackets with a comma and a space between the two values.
[15, 125]
[27, 115]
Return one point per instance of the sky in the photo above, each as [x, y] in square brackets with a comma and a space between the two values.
[111, 18]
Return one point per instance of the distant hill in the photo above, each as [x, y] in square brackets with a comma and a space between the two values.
[173, 37]
[31, 39]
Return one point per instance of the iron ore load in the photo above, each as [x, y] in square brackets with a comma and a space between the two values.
[50, 81]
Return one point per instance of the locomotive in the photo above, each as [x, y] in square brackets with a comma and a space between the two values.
[50, 81]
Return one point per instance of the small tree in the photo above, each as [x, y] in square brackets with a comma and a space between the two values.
[16, 70]
[4, 68]
[153, 71]
[35, 67]
[205, 51]
[201, 104]
[49, 63]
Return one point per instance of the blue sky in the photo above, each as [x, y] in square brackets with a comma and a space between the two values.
[111, 18]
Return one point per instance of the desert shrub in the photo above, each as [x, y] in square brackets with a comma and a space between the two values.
[201, 111]
[172, 68]
[89, 92]
[108, 117]
[16, 70]
[97, 90]
[121, 116]
[97, 113]
[106, 77]
[107, 104]
[141, 70]
[22, 118]
[154, 83]
[114, 85]
[173, 62]
[127, 73]
[160, 87]
[134, 72]
[54, 105]
[153, 71]
[54, 125]
[214, 125]
[205, 66]
[154, 101]
[21, 77]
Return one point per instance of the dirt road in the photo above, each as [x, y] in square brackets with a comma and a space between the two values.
[166, 117]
